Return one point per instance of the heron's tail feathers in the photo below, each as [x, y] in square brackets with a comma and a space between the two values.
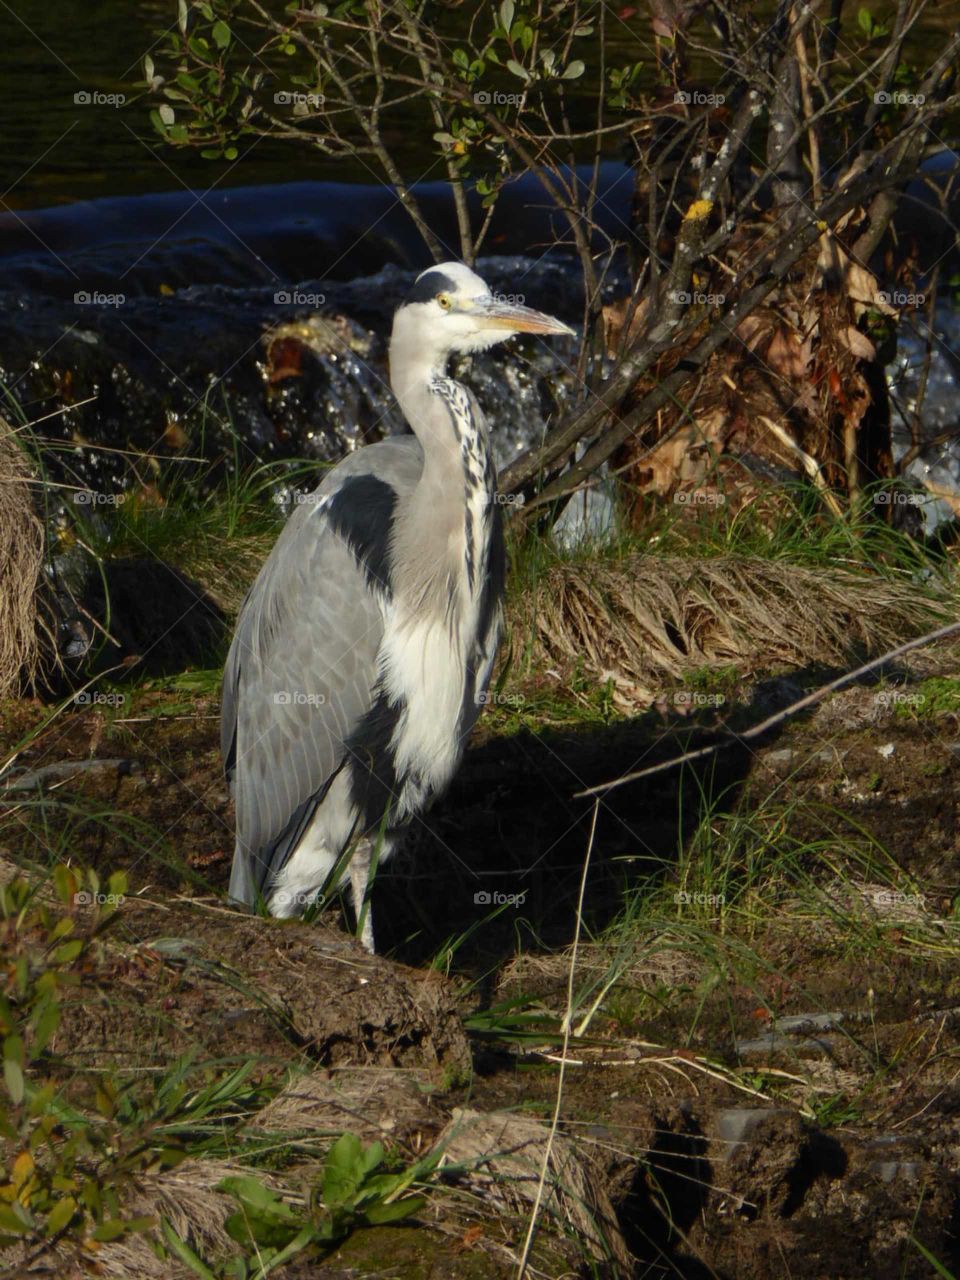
[243, 888]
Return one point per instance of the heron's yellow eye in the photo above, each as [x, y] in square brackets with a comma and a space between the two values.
[444, 300]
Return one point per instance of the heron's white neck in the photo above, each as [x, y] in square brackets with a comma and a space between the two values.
[446, 525]
[414, 369]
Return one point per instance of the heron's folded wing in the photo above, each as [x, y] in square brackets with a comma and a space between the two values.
[298, 679]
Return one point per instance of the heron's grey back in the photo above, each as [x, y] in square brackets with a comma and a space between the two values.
[303, 662]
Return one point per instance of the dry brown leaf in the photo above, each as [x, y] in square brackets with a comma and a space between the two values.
[615, 318]
[857, 343]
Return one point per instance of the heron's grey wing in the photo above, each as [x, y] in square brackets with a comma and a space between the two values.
[303, 662]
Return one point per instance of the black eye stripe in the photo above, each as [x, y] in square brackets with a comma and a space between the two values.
[429, 285]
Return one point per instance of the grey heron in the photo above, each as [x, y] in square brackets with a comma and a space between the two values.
[364, 647]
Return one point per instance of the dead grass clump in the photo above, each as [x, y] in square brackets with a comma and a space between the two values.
[501, 1154]
[655, 960]
[186, 1196]
[22, 626]
[378, 1104]
[648, 620]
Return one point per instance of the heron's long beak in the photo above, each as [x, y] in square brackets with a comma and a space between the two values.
[493, 314]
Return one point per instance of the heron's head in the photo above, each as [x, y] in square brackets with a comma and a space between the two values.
[451, 309]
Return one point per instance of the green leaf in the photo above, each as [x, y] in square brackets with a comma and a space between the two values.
[70, 950]
[515, 69]
[507, 10]
[13, 1217]
[182, 1250]
[250, 1191]
[60, 1215]
[13, 1050]
[65, 883]
[371, 1159]
[938, 1266]
[167, 113]
[110, 1230]
[864, 21]
[230, 153]
[379, 1214]
[13, 1078]
[46, 1025]
[221, 34]
[342, 1173]
[574, 70]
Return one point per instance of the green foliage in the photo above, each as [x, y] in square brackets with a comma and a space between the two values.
[519, 1021]
[356, 1190]
[836, 1110]
[624, 81]
[870, 27]
[72, 1141]
[298, 68]
[50, 1179]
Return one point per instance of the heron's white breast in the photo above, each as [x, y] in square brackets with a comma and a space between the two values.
[424, 669]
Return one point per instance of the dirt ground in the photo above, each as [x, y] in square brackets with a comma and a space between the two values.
[794, 1112]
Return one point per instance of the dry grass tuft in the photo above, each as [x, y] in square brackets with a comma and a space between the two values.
[226, 567]
[656, 960]
[503, 1153]
[23, 629]
[186, 1196]
[648, 620]
[378, 1104]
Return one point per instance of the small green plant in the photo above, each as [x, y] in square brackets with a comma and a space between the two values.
[519, 1022]
[356, 1191]
[836, 1110]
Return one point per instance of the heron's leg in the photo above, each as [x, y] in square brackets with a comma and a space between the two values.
[359, 888]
